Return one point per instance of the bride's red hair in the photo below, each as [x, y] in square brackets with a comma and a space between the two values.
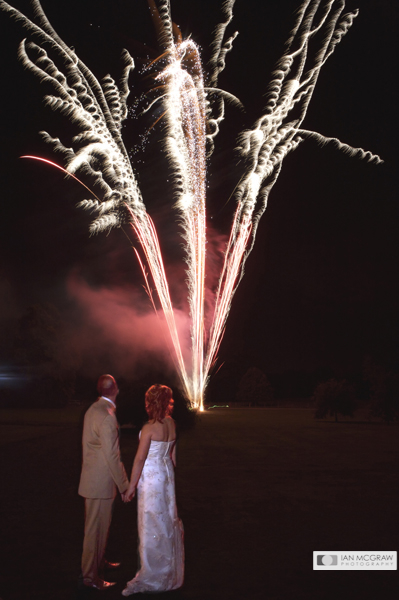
[157, 401]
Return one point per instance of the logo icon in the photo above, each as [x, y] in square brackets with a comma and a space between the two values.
[327, 560]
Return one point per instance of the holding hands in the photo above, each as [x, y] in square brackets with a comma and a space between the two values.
[129, 494]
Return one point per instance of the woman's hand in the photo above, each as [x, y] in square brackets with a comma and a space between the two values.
[129, 494]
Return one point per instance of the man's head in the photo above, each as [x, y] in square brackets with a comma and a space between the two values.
[107, 386]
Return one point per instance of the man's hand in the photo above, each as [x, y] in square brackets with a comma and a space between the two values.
[128, 495]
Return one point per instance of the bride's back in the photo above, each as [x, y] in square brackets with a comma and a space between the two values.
[164, 431]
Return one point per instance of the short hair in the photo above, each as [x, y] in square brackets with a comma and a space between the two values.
[107, 386]
[158, 401]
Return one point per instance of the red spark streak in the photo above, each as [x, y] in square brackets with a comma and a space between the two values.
[53, 164]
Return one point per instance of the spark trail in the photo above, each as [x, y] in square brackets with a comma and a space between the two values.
[193, 113]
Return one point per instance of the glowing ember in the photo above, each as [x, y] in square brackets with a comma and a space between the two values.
[99, 109]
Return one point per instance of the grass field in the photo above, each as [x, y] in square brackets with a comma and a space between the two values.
[258, 490]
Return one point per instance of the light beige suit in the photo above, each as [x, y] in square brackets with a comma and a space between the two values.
[102, 474]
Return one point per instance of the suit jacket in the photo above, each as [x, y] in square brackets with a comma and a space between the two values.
[102, 469]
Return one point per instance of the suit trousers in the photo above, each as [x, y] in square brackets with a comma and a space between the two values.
[98, 514]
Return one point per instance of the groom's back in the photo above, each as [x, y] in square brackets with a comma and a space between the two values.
[99, 432]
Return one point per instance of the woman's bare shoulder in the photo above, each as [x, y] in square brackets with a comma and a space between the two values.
[147, 429]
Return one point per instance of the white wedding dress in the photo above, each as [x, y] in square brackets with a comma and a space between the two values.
[160, 530]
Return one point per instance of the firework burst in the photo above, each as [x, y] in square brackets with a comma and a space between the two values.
[193, 112]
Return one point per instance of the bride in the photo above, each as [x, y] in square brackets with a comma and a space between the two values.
[160, 530]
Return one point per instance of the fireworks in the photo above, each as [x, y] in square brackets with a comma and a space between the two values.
[193, 113]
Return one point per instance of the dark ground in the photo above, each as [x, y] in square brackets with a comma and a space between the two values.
[258, 490]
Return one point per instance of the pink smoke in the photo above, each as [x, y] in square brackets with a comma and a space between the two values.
[215, 249]
[118, 327]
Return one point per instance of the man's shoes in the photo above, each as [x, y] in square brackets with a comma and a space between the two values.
[111, 565]
[101, 585]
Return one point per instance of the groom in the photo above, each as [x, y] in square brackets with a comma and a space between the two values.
[102, 473]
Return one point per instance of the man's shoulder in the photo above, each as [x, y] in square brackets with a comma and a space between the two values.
[100, 409]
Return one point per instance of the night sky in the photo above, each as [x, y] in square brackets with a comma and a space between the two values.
[321, 287]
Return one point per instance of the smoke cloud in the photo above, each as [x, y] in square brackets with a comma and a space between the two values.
[113, 328]
[215, 249]
[116, 329]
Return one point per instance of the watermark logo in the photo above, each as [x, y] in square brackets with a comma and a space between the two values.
[340, 560]
[327, 560]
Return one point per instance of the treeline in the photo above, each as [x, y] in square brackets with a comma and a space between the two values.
[43, 369]
[375, 389]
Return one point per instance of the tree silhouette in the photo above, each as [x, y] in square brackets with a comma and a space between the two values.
[40, 348]
[334, 397]
[384, 391]
[255, 388]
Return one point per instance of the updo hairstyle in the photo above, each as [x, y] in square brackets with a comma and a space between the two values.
[158, 401]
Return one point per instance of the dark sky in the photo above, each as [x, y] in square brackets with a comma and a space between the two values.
[321, 286]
